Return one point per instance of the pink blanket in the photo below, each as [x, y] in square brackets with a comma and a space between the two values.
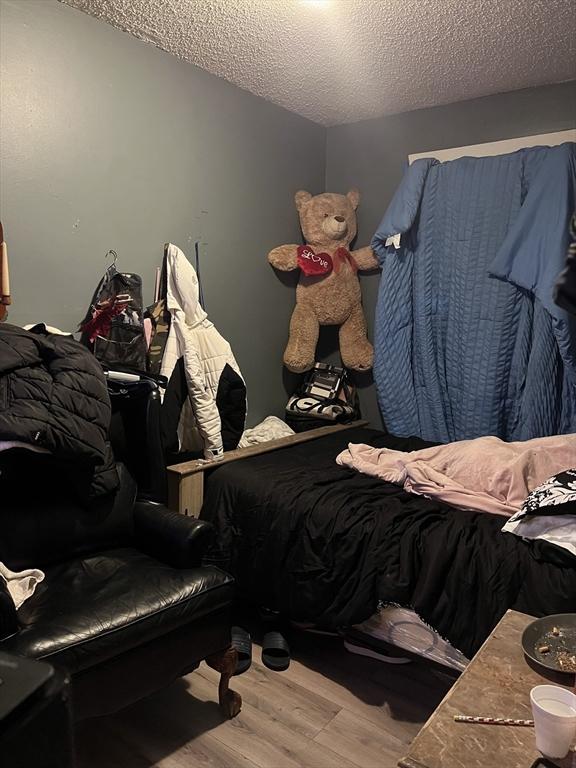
[485, 474]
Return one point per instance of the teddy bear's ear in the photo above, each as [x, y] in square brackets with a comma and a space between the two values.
[354, 196]
[301, 197]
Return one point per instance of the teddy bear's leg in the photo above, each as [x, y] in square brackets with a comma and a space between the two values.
[301, 347]
[355, 349]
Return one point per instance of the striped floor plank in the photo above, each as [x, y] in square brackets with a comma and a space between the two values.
[330, 709]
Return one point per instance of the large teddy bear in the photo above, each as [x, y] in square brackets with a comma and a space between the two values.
[328, 291]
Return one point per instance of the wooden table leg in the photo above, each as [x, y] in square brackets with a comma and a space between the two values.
[225, 663]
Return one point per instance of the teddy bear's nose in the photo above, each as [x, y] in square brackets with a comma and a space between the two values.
[339, 219]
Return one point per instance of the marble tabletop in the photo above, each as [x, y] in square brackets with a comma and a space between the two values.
[496, 683]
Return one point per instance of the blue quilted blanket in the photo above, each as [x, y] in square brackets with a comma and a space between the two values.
[468, 340]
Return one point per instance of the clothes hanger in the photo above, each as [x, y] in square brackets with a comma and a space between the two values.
[111, 268]
[5, 299]
[112, 271]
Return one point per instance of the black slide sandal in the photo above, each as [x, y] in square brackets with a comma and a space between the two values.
[275, 652]
[242, 641]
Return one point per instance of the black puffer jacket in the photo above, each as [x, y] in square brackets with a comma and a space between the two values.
[53, 395]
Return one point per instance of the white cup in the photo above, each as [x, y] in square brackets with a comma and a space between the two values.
[554, 712]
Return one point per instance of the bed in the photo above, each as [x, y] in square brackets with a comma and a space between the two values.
[328, 546]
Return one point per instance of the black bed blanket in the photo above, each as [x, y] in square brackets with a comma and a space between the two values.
[325, 545]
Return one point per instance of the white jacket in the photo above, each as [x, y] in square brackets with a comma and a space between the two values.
[206, 353]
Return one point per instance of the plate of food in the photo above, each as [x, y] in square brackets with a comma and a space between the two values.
[551, 642]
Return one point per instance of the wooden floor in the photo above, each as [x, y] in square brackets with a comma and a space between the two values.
[331, 709]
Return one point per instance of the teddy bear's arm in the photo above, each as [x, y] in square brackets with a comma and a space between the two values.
[285, 257]
[365, 258]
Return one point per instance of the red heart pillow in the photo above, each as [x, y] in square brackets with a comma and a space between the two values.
[312, 263]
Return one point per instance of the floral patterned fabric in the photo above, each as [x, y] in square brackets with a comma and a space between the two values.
[549, 512]
[556, 496]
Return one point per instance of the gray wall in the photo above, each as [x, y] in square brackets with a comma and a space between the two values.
[107, 142]
[372, 155]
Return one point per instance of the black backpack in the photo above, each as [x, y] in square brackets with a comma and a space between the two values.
[113, 327]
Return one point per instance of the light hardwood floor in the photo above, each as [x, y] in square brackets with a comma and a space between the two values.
[331, 709]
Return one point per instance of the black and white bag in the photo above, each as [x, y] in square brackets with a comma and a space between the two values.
[325, 397]
[113, 327]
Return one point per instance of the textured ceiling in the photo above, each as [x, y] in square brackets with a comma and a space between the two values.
[338, 61]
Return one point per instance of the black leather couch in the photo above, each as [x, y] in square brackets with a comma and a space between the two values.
[126, 606]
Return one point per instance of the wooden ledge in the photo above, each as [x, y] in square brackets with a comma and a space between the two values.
[201, 465]
[186, 480]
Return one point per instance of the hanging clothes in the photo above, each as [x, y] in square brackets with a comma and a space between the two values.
[468, 341]
[565, 288]
[159, 318]
[205, 401]
[54, 398]
[113, 327]
[5, 298]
